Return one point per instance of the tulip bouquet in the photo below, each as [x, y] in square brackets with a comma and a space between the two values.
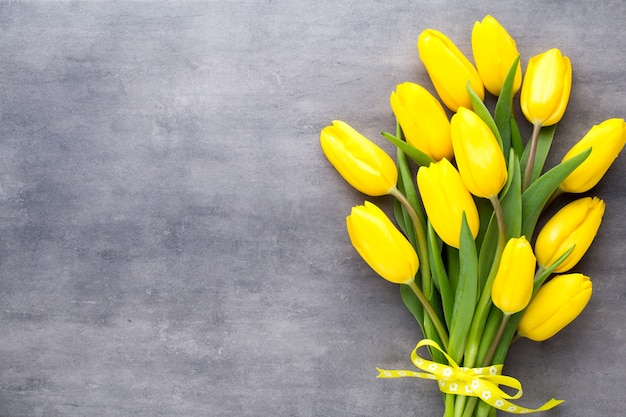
[463, 251]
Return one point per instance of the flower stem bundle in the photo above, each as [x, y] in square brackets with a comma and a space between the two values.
[468, 194]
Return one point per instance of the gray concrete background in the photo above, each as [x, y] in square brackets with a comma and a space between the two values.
[172, 240]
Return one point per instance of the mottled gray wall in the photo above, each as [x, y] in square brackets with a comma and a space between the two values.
[172, 240]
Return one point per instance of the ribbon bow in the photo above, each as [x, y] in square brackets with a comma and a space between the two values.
[477, 382]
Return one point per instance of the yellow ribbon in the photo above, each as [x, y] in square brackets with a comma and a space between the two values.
[477, 382]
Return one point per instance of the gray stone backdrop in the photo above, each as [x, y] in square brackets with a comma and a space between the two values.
[172, 240]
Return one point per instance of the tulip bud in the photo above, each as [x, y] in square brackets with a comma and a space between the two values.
[445, 199]
[494, 53]
[381, 244]
[557, 303]
[478, 154]
[546, 88]
[449, 69]
[606, 140]
[423, 120]
[576, 225]
[513, 284]
[359, 161]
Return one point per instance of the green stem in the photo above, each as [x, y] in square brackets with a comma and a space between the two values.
[469, 408]
[528, 171]
[425, 293]
[422, 243]
[496, 340]
[459, 405]
[484, 302]
[441, 330]
[497, 209]
[449, 405]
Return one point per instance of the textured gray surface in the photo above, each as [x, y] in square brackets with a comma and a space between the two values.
[172, 240]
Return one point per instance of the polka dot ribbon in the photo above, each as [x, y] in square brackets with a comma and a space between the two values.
[477, 382]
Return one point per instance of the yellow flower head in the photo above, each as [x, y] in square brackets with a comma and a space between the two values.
[606, 141]
[449, 69]
[546, 88]
[423, 120]
[513, 285]
[478, 154]
[381, 244]
[359, 161]
[556, 304]
[576, 225]
[446, 199]
[494, 53]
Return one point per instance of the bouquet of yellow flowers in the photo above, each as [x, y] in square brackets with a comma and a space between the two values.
[461, 251]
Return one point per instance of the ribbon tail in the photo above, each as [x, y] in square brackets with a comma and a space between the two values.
[509, 407]
[386, 373]
[550, 404]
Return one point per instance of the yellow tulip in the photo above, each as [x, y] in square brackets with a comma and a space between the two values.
[478, 154]
[359, 161]
[381, 244]
[546, 88]
[494, 53]
[445, 199]
[449, 69]
[423, 120]
[513, 285]
[606, 140]
[575, 224]
[556, 304]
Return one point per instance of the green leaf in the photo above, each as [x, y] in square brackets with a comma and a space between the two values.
[402, 217]
[491, 328]
[466, 294]
[481, 110]
[430, 332]
[485, 211]
[544, 142]
[415, 307]
[440, 277]
[400, 213]
[511, 200]
[516, 138]
[537, 195]
[454, 264]
[504, 108]
[419, 157]
[413, 304]
[487, 250]
[409, 188]
[540, 279]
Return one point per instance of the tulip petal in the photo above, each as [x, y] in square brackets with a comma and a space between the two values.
[449, 69]
[546, 88]
[606, 141]
[556, 304]
[445, 199]
[381, 244]
[513, 285]
[575, 225]
[360, 162]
